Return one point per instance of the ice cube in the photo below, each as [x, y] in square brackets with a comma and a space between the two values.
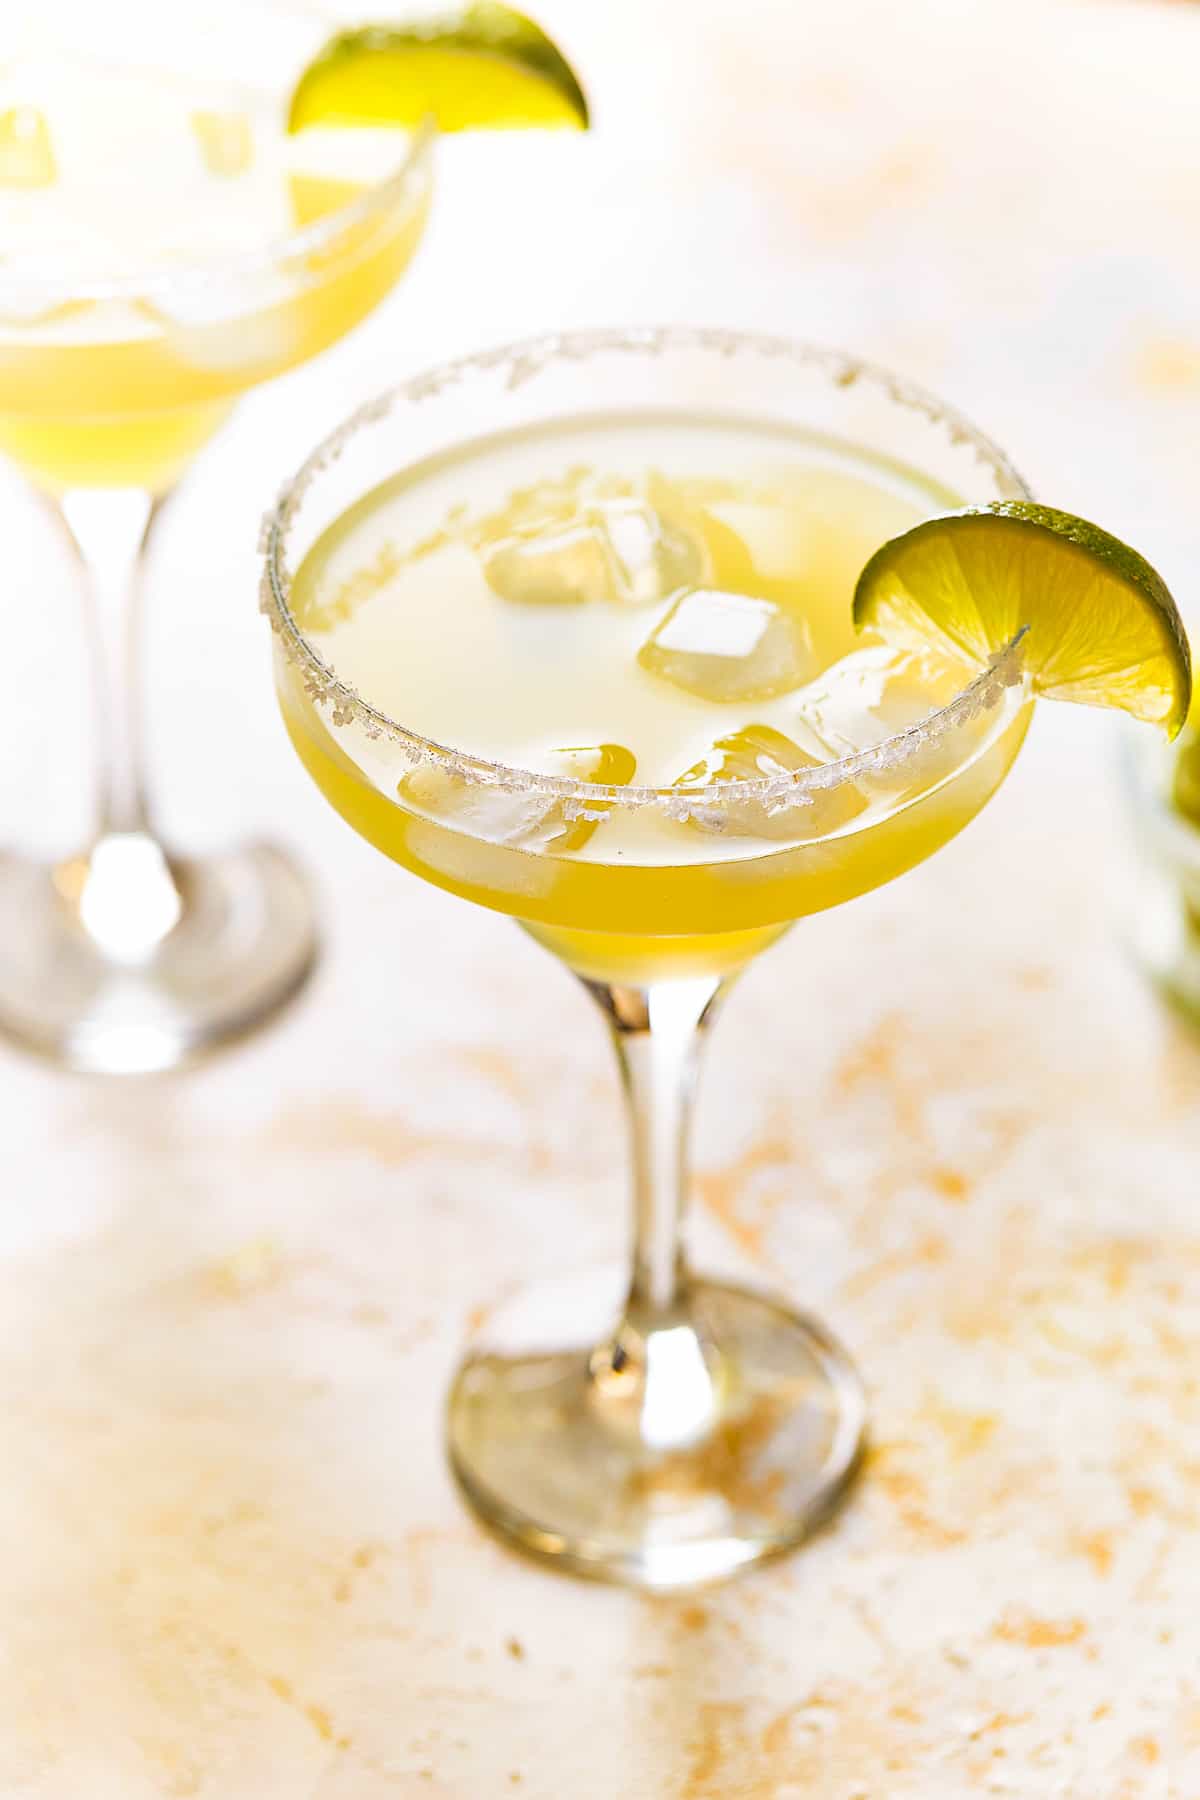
[877, 693]
[619, 550]
[525, 818]
[754, 753]
[728, 647]
[557, 566]
[224, 320]
[225, 141]
[751, 754]
[649, 557]
[870, 695]
[26, 151]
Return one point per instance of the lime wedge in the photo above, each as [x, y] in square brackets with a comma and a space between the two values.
[481, 66]
[1102, 628]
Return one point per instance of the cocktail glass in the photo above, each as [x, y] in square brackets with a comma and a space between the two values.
[1162, 902]
[131, 956]
[670, 1428]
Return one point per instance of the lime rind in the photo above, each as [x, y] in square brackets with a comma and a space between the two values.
[486, 30]
[1104, 629]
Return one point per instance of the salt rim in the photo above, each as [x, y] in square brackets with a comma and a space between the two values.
[589, 800]
[23, 297]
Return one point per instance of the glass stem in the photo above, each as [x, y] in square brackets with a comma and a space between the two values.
[658, 1031]
[110, 531]
[124, 890]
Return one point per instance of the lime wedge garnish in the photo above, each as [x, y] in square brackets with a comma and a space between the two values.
[1101, 626]
[481, 66]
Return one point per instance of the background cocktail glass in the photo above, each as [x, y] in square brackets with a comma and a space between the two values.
[677, 1429]
[128, 955]
[1161, 903]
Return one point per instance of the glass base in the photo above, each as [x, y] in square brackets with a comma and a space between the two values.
[729, 1434]
[126, 962]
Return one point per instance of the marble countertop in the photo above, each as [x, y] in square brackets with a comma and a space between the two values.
[949, 1117]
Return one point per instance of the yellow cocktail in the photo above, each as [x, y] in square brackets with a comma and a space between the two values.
[566, 629]
[165, 245]
[636, 601]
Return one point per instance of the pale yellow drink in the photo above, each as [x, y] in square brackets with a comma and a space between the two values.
[655, 601]
[150, 268]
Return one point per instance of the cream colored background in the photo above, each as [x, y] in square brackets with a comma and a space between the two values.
[231, 1564]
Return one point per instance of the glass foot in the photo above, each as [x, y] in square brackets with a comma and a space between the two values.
[125, 962]
[668, 1457]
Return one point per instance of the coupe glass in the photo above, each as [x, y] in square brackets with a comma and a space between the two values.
[131, 955]
[669, 1428]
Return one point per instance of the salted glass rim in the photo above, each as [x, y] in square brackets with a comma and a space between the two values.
[377, 198]
[524, 360]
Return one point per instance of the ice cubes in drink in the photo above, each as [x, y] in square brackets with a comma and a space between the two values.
[756, 753]
[621, 550]
[872, 694]
[523, 818]
[878, 693]
[728, 647]
[561, 566]
[27, 157]
[233, 321]
[224, 140]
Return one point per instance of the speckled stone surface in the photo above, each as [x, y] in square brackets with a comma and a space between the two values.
[950, 1117]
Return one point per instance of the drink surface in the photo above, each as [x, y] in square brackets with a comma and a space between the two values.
[140, 209]
[651, 600]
